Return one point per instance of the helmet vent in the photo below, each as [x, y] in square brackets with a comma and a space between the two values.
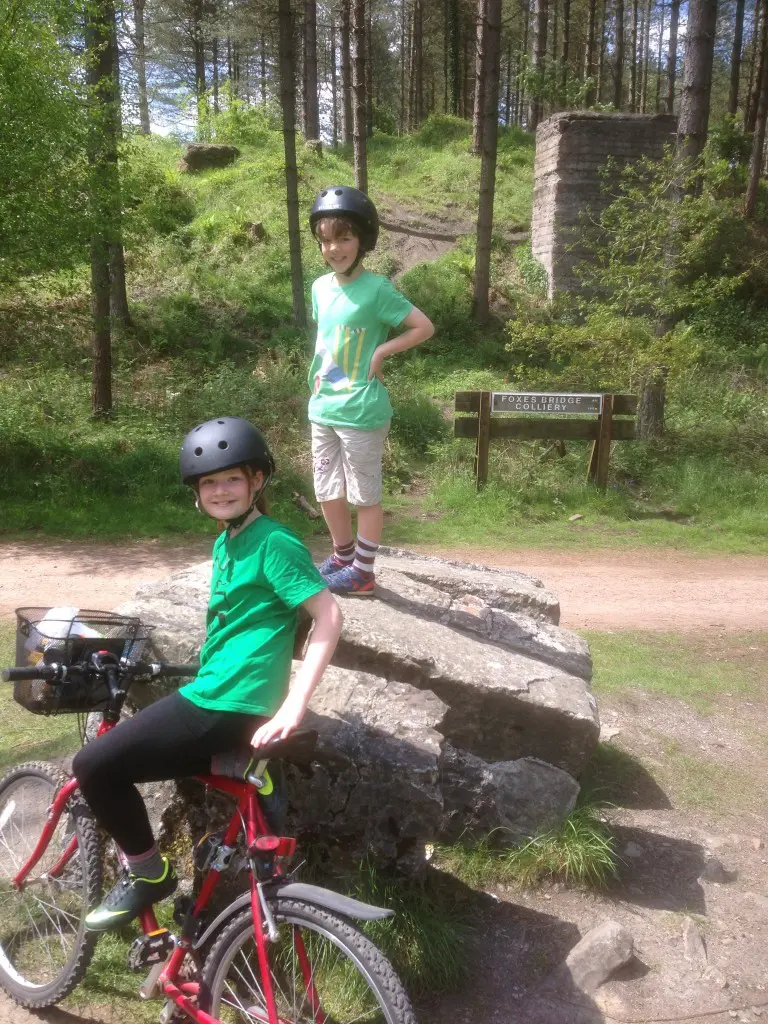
[221, 422]
[339, 191]
[324, 193]
[223, 445]
[198, 451]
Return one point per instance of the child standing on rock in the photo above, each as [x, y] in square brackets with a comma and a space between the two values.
[349, 409]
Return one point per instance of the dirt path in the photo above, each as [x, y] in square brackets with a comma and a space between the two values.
[643, 590]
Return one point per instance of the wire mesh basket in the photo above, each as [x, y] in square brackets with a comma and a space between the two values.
[69, 636]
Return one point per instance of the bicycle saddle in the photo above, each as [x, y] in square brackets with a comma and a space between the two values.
[299, 746]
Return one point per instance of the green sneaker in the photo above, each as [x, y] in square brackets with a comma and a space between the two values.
[128, 897]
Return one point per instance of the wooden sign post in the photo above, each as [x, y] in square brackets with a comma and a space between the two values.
[528, 423]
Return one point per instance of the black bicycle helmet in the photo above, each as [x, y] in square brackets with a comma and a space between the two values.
[221, 444]
[344, 201]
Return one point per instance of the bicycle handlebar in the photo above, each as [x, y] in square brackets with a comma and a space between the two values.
[53, 673]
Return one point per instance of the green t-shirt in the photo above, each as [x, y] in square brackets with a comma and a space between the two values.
[352, 321]
[260, 577]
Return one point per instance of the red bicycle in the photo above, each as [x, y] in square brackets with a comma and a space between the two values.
[284, 952]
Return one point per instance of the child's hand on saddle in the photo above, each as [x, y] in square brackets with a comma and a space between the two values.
[278, 727]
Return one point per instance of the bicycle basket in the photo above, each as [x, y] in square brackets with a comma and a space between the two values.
[69, 636]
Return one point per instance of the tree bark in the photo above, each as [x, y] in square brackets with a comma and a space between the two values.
[650, 410]
[755, 75]
[660, 58]
[674, 21]
[646, 56]
[334, 89]
[455, 55]
[263, 69]
[198, 46]
[404, 56]
[738, 36]
[697, 79]
[633, 58]
[141, 65]
[369, 71]
[118, 294]
[215, 72]
[478, 112]
[358, 91]
[758, 138]
[589, 59]
[618, 73]
[311, 107]
[417, 65]
[288, 104]
[520, 90]
[564, 54]
[508, 88]
[539, 60]
[488, 163]
[601, 60]
[103, 109]
[346, 72]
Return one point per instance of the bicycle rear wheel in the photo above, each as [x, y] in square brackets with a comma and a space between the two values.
[322, 967]
[44, 946]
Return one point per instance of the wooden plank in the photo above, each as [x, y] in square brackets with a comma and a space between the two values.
[467, 401]
[592, 467]
[604, 443]
[483, 439]
[542, 430]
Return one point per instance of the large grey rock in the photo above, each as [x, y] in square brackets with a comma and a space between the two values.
[447, 709]
[201, 156]
[598, 954]
[499, 588]
[519, 797]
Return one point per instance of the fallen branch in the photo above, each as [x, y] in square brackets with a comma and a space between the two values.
[440, 236]
[303, 505]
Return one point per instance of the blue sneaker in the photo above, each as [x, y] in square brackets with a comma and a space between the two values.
[352, 582]
[331, 565]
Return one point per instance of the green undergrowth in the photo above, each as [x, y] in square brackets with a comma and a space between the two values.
[579, 852]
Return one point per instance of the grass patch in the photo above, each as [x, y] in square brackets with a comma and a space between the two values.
[579, 852]
[696, 671]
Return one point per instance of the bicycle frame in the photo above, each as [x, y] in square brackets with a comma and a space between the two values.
[165, 977]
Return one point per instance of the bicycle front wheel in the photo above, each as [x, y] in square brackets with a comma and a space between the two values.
[44, 946]
[322, 969]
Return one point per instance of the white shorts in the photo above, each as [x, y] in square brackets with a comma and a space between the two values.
[347, 463]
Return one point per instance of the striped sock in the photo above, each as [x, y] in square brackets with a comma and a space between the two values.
[365, 555]
[344, 553]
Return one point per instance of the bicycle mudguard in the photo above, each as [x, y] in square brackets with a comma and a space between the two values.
[326, 898]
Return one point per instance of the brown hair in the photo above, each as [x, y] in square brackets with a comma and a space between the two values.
[336, 227]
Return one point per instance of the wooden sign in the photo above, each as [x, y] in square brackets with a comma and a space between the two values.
[546, 402]
[608, 426]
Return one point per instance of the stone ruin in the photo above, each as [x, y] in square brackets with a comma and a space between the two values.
[455, 705]
[572, 149]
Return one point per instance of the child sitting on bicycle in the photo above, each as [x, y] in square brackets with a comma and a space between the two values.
[262, 573]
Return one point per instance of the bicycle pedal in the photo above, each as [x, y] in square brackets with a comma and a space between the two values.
[148, 950]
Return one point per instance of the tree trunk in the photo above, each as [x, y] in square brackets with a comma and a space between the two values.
[404, 56]
[650, 410]
[697, 79]
[633, 59]
[369, 73]
[103, 110]
[215, 72]
[198, 46]
[334, 89]
[346, 73]
[646, 59]
[288, 104]
[618, 73]
[758, 139]
[738, 36]
[659, 61]
[358, 90]
[564, 54]
[488, 162]
[118, 294]
[601, 60]
[454, 57]
[417, 65]
[263, 70]
[508, 88]
[141, 65]
[755, 76]
[674, 21]
[446, 52]
[478, 112]
[465, 72]
[312, 111]
[589, 59]
[539, 60]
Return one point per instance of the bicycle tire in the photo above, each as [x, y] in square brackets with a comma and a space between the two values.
[348, 970]
[44, 947]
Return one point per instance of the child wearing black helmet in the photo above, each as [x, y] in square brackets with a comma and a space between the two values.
[349, 409]
[240, 698]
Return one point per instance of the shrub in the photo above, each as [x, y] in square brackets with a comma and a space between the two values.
[440, 129]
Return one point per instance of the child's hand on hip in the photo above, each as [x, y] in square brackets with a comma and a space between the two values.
[377, 360]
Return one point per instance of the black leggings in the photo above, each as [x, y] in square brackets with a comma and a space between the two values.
[170, 739]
